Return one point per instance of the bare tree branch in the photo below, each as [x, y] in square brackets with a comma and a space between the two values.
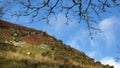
[44, 9]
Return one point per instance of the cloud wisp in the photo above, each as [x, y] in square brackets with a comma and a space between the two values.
[111, 61]
[108, 26]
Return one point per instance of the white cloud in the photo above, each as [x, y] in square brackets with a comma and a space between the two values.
[110, 61]
[107, 38]
[108, 27]
[108, 23]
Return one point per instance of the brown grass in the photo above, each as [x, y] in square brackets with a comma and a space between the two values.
[64, 56]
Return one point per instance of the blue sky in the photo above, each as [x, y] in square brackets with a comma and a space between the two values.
[104, 45]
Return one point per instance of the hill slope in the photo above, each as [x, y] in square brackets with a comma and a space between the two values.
[22, 47]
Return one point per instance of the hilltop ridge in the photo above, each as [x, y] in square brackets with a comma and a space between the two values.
[22, 47]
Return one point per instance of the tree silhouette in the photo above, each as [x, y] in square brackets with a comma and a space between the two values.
[82, 10]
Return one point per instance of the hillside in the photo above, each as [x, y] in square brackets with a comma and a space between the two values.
[22, 47]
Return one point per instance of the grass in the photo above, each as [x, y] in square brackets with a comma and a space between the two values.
[18, 57]
[39, 51]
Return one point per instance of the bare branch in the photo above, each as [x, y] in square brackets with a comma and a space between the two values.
[44, 9]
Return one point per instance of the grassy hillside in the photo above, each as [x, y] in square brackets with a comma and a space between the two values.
[22, 47]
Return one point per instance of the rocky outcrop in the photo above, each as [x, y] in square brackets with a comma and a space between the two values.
[15, 43]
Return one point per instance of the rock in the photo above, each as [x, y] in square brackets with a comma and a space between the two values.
[44, 46]
[40, 33]
[15, 43]
[20, 43]
[33, 33]
[28, 53]
[6, 41]
[15, 35]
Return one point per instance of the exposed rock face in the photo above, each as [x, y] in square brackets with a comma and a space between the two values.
[15, 43]
[24, 47]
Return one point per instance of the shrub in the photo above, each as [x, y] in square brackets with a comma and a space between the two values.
[47, 53]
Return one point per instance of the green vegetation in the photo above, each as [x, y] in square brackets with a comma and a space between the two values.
[23, 52]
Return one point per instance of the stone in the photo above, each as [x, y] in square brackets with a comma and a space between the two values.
[19, 43]
[44, 46]
[15, 35]
[28, 53]
[33, 33]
